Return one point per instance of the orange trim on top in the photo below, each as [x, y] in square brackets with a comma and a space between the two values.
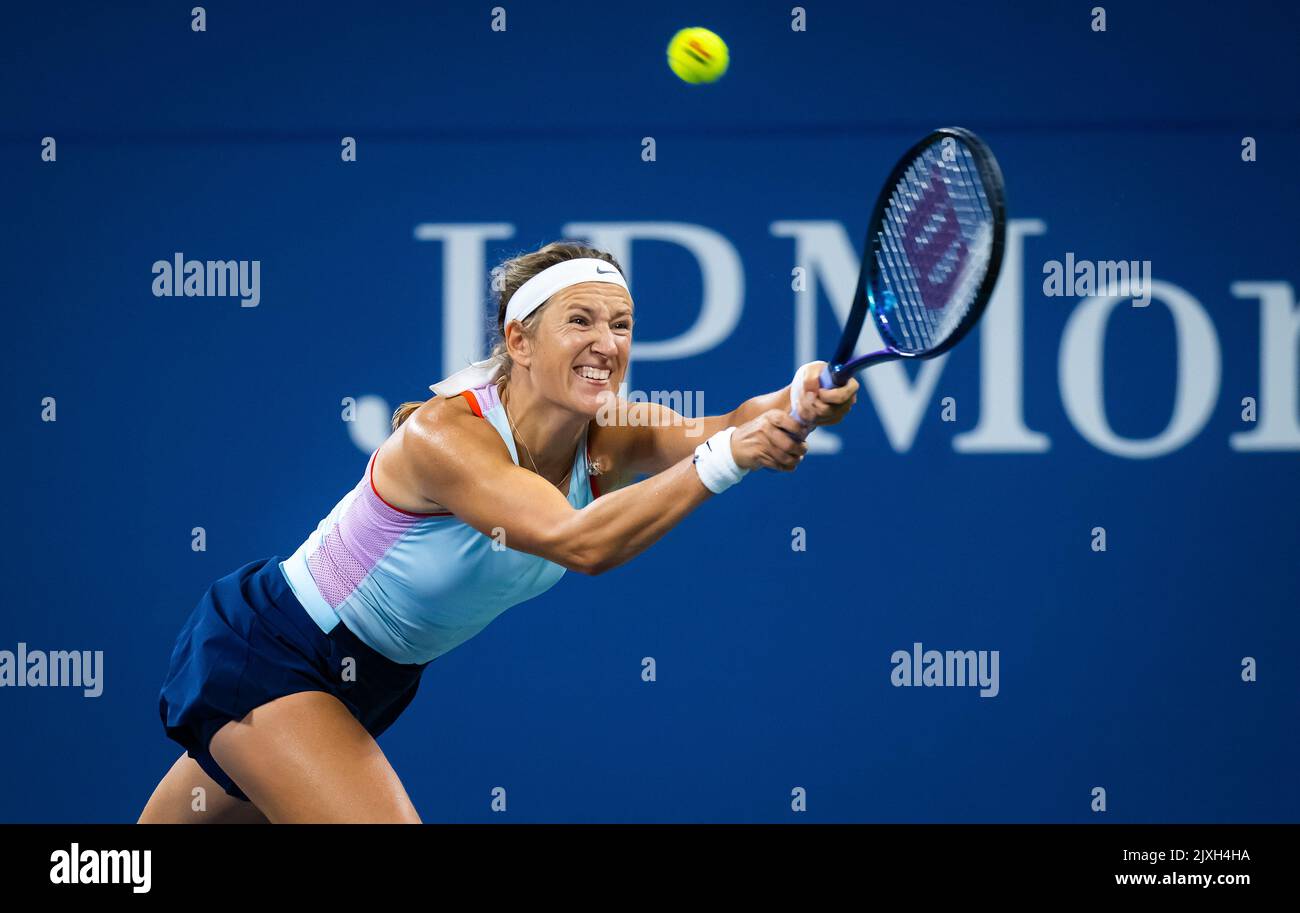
[473, 401]
[374, 459]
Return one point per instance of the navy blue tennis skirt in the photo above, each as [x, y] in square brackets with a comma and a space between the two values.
[250, 641]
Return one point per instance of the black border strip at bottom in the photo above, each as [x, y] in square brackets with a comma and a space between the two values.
[328, 863]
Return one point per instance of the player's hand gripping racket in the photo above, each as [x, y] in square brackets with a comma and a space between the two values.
[932, 255]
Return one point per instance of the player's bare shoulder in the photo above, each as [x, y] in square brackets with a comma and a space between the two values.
[446, 429]
[612, 446]
[433, 448]
[626, 435]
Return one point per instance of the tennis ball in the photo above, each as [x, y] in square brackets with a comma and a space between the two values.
[698, 55]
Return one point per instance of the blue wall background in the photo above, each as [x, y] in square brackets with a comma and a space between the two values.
[1119, 670]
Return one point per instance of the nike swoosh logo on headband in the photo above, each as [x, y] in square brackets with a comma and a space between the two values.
[605, 272]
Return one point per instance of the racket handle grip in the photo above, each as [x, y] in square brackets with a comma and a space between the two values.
[827, 380]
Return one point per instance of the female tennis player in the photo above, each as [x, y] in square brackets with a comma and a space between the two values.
[288, 670]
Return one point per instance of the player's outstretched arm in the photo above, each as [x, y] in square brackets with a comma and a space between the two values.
[651, 436]
[467, 469]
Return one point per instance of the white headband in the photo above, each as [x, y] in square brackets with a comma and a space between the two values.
[530, 296]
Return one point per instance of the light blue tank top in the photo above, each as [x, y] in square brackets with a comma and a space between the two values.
[413, 586]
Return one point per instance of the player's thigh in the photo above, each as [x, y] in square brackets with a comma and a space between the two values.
[174, 800]
[304, 758]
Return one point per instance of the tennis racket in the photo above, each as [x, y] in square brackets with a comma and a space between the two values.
[932, 254]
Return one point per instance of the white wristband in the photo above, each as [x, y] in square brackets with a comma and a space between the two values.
[715, 464]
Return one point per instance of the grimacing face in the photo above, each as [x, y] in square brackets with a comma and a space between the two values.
[581, 349]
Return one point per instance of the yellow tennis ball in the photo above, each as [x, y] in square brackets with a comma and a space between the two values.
[698, 55]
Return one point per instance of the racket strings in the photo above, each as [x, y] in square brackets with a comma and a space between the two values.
[897, 269]
[915, 323]
[932, 248]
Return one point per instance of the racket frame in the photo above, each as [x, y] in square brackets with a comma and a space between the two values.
[844, 365]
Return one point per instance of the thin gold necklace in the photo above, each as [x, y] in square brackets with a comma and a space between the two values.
[520, 439]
